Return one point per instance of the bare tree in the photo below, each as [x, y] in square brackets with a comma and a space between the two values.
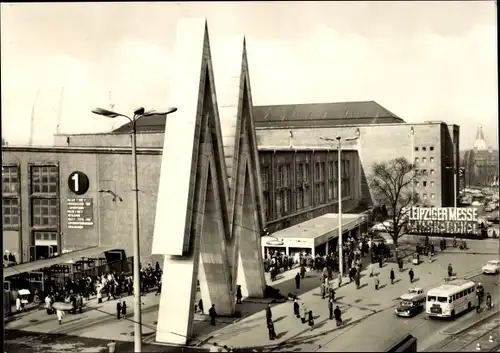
[391, 183]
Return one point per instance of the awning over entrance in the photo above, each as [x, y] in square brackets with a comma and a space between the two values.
[316, 231]
[64, 258]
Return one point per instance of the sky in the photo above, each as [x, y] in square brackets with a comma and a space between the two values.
[421, 60]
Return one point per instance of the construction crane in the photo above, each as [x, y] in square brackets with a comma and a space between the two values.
[59, 113]
[32, 127]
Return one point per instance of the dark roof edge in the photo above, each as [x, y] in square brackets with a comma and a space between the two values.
[93, 149]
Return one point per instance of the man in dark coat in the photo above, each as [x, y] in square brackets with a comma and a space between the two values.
[269, 314]
[296, 308]
[338, 315]
[212, 314]
[302, 271]
[200, 306]
[270, 328]
[357, 280]
[380, 261]
[124, 309]
[330, 308]
[297, 281]
[411, 274]
[238, 294]
[118, 309]
[392, 276]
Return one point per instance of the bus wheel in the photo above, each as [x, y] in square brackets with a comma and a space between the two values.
[453, 314]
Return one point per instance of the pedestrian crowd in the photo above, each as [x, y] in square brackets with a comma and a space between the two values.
[111, 284]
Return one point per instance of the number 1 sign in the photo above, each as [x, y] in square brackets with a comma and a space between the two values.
[78, 182]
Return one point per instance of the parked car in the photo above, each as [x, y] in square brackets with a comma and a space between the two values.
[383, 226]
[412, 303]
[492, 267]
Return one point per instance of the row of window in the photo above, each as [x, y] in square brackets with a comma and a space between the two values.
[425, 172]
[43, 182]
[44, 179]
[424, 183]
[424, 160]
[424, 148]
[284, 177]
[323, 189]
[425, 196]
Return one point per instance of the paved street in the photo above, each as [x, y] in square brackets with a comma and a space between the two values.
[363, 310]
[467, 340]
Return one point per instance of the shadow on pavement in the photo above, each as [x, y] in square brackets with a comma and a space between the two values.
[29, 342]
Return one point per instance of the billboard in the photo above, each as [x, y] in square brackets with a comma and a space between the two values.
[442, 220]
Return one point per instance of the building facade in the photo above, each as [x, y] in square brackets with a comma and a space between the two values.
[433, 146]
[37, 201]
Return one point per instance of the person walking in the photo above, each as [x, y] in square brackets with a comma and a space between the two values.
[60, 316]
[124, 309]
[330, 308]
[357, 280]
[370, 269]
[488, 301]
[302, 272]
[99, 295]
[200, 306]
[297, 281]
[478, 304]
[376, 281]
[238, 294]
[331, 295]
[411, 275]
[269, 314]
[118, 309]
[311, 319]
[338, 316]
[212, 313]
[392, 276]
[296, 308]
[323, 289]
[303, 313]
[48, 304]
[270, 328]
[450, 270]
[380, 261]
[340, 279]
[79, 303]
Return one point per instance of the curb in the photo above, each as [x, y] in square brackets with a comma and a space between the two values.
[281, 344]
[473, 324]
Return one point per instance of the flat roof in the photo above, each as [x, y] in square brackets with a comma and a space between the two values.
[57, 260]
[301, 148]
[316, 227]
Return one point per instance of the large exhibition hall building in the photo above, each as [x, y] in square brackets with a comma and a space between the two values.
[43, 214]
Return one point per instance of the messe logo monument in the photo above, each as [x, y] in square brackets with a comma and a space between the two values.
[209, 215]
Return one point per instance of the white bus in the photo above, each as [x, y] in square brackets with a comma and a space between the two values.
[450, 299]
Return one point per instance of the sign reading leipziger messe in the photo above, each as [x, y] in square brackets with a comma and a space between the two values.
[443, 220]
[80, 213]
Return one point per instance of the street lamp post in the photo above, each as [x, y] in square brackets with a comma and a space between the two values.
[339, 193]
[455, 172]
[138, 114]
[412, 137]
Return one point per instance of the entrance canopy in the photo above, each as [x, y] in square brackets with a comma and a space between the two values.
[315, 232]
[72, 256]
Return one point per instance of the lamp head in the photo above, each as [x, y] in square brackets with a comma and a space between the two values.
[139, 111]
[338, 138]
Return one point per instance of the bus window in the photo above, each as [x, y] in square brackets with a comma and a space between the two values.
[431, 298]
[453, 297]
[442, 299]
[450, 300]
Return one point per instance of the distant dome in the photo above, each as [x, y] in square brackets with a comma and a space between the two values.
[480, 143]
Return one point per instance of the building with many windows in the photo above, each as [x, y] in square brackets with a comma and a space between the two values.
[298, 183]
[298, 174]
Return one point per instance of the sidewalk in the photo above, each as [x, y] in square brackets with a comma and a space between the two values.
[356, 304]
